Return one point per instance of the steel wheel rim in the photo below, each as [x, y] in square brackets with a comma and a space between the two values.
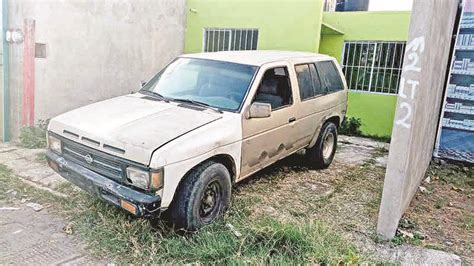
[210, 201]
[328, 145]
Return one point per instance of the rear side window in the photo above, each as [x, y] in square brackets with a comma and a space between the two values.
[305, 81]
[308, 81]
[329, 76]
[318, 88]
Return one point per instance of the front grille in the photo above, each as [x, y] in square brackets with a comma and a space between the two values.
[94, 160]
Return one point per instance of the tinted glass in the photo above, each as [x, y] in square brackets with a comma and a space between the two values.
[329, 76]
[216, 83]
[305, 81]
[318, 88]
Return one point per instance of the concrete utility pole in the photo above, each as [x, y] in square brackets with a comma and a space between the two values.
[420, 95]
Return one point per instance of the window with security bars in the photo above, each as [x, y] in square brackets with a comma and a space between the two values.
[373, 66]
[216, 40]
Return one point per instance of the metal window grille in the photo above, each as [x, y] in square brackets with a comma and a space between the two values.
[373, 66]
[229, 39]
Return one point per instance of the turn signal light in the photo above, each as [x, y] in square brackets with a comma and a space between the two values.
[128, 206]
[157, 179]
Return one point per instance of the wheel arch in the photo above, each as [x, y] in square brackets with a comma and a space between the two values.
[336, 119]
[224, 159]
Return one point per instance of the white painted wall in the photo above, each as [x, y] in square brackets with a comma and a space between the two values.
[96, 49]
[390, 5]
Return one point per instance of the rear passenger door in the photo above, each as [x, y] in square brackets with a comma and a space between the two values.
[312, 101]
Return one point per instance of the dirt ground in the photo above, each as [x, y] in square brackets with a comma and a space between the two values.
[440, 217]
[346, 197]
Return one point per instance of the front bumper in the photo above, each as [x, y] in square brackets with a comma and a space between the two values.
[106, 189]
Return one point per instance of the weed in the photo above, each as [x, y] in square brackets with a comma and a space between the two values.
[41, 157]
[34, 137]
[440, 203]
[460, 176]
[351, 126]
[468, 222]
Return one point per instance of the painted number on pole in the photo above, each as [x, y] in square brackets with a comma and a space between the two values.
[413, 51]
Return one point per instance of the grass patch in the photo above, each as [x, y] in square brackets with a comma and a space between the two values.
[458, 175]
[468, 222]
[115, 235]
[382, 138]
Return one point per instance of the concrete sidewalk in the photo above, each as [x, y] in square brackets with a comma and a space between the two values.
[30, 165]
[36, 237]
[29, 236]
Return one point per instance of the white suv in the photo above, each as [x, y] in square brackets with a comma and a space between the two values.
[203, 123]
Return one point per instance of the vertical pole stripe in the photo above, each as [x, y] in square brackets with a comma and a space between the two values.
[28, 111]
[6, 75]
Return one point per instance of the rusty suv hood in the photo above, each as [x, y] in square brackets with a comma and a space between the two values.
[131, 126]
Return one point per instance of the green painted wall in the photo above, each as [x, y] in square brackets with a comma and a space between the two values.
[282, 24]
[375, 110]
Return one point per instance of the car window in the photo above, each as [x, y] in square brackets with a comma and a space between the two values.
[318, 87]
[329, 76]
[305, 81]
[275, 88]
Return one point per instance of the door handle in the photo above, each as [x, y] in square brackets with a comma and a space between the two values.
[291, 120]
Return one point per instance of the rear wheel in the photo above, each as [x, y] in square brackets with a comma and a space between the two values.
[322, 153]
[202, 197]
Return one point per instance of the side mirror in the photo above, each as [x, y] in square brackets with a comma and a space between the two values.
[259, 110]
[143, 83]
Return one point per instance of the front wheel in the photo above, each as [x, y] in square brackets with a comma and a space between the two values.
[202, 197]
[322, 153]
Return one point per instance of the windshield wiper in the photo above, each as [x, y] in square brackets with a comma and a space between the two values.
[198, 103]
[155, 94]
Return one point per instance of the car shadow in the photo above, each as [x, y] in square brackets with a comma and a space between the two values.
[295, 163]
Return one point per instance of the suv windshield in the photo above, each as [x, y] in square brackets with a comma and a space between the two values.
[214, 83]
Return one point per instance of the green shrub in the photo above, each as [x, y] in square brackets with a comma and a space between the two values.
[351, 126]
[34, 137]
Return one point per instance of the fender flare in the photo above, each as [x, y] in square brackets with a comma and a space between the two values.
[315, 137]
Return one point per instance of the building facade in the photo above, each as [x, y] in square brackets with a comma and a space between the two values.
[68, 54]
[369, 45]
[370, 48]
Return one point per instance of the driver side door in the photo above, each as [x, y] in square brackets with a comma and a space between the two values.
[266, 140]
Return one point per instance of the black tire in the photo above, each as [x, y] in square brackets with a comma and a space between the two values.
[191, 209]
[317, 156]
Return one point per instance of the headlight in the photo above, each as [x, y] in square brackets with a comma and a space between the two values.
[138, 177]
[146, 180]
[54, 144]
